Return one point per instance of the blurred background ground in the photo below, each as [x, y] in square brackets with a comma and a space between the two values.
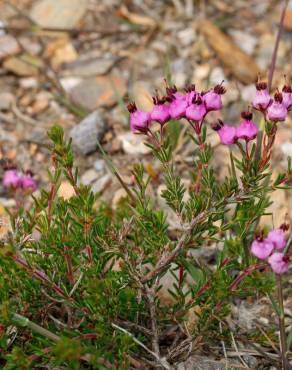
[74, 61]
[62, 60]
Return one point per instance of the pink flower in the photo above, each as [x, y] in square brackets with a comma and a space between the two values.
[226, 133]
[262, 98]
[277, 237]
[177, 108]
[28, 183]
[247, 129]
[262, 248]
[190, 94]
[279, 262]
[277, 110]
[197, 110]
[139, 120]
[160, 111]
[11, 179]
[212, 98]
[287, 96]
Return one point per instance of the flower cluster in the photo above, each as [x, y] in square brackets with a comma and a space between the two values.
[247, 130]
[14, 179]
[273, 109]
[191, 104]
[271, 249]
[194, 106]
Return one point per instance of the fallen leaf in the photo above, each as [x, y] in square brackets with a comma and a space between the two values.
[288, 20]
[233, 58]
[135, 18]
[63, 14]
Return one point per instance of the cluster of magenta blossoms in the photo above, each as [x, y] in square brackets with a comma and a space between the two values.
[194, 106]
[274, 110]
[272, 248]
[14, 179]
[190, 104]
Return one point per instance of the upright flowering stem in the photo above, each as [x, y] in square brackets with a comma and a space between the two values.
[281, 318]
[275, 51]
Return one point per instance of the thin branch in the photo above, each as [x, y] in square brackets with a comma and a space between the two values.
[275, 51]
[161, 361]
[165, 260]
[150, 294]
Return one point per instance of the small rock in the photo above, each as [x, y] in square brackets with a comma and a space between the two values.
[248, 92]
[201, 363]
[119, 195]
[92, 66]
[58, 14]
[244, 40]
[89, 176]
[101, 184]
[20, 67]
[187, 36]
[66, 190]
[28, 82]
[201, 72]
[180, 79]
[100, 91]
[61, 51]
[87, 132]
[99, 165]
[217, 75]
[6, 99]
[286, 148]
[8, 46]
[133, 144]
[69, 82]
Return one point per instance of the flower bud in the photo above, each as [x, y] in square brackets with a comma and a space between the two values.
[160, 112]
[279, 262]
[28, 183]
[139, 120]
[262, 248]
[277, 110]
[277, 237]
[197, 110]
[262, 98]
[11, 179]
[287, 96]
[212, 98]
[226, 133]
[247, 129]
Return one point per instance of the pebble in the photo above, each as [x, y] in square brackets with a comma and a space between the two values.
[244, 40]
[58, 14]
[101, 183]
[248, 92]
[28, 82]
[87, 132]
[20, 67]
[133, 144]
[286, 148]
[187, 36]
[217, 76]
[92, 93]
[6, 99]
[89, 176]
[99, 165]
[8, 46]
[118, 196]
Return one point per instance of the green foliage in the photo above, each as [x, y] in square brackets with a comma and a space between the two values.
[74, 271]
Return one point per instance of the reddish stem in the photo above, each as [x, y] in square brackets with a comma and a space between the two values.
[40, 275]
[68, 260]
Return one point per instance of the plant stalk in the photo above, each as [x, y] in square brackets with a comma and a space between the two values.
[281, 318]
